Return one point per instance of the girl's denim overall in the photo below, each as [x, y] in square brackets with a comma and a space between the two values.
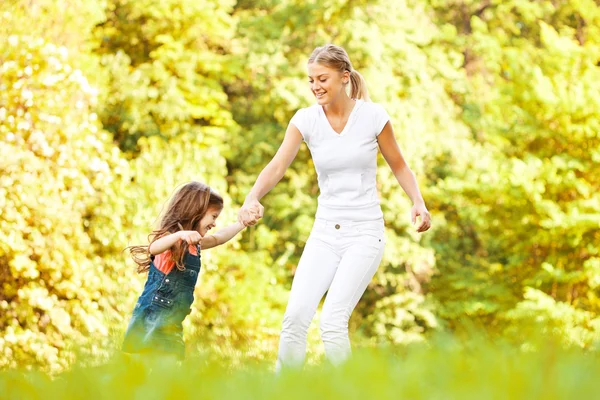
[156, 323]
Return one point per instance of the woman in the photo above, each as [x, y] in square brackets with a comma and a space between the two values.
[346, 243]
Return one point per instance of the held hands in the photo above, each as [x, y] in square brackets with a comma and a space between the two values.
[250, 212]
[191, 237]
[419, 209]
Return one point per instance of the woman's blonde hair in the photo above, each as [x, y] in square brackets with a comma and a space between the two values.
[335, 57]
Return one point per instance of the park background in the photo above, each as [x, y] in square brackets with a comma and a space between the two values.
[106, 106]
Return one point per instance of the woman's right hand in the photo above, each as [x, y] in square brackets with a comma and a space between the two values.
[250, 212]
[191, 237]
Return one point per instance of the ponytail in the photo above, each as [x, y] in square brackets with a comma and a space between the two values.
[358, 86]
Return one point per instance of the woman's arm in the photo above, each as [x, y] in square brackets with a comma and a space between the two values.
[252, 210]
[221, 236]
[404, 175]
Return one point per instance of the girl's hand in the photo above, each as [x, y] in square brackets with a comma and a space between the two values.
[250, 212]
[419, 209]
[191, 237]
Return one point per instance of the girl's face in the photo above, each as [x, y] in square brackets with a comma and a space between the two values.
[209, 220]
[326, 83]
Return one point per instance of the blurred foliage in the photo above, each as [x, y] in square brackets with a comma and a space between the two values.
[106, 106]
[531, 210]
[447, 370]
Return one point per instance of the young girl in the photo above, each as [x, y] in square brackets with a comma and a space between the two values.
[172, 260]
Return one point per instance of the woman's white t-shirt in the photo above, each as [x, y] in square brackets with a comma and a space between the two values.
[346, 163]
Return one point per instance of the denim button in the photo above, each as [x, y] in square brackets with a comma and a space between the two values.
[337, 226]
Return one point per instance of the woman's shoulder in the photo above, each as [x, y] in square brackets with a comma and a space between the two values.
[372, 107]
[309, 111]
[305, 119]
[375, 115]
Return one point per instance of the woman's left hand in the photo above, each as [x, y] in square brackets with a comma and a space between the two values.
[419, 210]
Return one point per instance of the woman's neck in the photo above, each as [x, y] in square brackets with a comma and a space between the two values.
[340, 107]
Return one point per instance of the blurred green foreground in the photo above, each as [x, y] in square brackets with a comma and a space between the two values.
[444, 369]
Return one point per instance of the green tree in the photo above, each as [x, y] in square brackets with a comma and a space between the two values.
[58, 167]
[532, 217]
[166, 63]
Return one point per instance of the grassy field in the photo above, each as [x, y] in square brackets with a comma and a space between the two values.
[442, 369]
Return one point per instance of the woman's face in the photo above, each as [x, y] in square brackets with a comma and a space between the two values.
[326, 83]
[209, 220]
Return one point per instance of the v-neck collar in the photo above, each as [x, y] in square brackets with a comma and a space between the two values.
[357, 104]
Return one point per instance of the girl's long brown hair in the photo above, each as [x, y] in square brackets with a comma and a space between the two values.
[187, 207]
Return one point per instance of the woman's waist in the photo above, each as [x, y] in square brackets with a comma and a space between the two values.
[342, 225]
[352, 214]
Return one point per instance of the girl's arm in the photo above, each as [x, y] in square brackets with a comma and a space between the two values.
[406, 178]
[166, 242]
[270, 176]
[221, 236]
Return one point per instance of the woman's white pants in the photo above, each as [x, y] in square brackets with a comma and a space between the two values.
[339, 258]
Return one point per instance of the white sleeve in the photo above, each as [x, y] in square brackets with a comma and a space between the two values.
[380, 118]
[301, 122]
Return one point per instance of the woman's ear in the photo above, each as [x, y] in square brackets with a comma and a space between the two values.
[346, 77]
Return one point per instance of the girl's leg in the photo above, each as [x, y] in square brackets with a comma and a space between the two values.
[313, 276]
[357, 267]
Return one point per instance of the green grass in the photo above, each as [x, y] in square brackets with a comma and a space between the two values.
[442, 369]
